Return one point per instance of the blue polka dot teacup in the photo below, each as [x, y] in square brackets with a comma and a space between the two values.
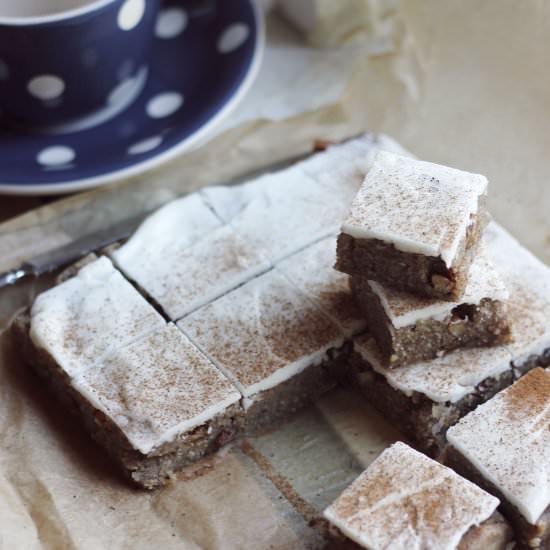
[62, 60]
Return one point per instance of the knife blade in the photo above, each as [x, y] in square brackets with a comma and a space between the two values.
[64, 255]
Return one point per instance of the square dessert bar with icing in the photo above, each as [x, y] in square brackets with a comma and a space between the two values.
[272, 341]
[504, 446]
[410, 328]
[427, 397]
[89, 316]
[405, 500]
[158, 405]
[414, 226]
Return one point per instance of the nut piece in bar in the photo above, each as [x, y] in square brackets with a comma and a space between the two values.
[311, 271]
[504, 446]
[414, 226]
[271, 341]
[426, 398]
[405, 500]
[409, 328]
[183, 258]
[90, 315]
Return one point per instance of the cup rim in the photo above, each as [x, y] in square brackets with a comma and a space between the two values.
[55, 17]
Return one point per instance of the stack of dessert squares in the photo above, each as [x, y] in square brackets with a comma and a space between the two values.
[223, 315]
[440, 340]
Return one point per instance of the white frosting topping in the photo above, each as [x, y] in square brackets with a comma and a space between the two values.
[160, 256]
[192, 276]
[417, 206]
[280, 213]
[215, 265]
[339, 172]
[508, 440]
[447, 378]
[311, 271]
[228, 201]
[528, 281]
[89, 316]
[157, 388]
[171, 228]
[342, 168]
[405, 500]
[404, 309]
[262, 333]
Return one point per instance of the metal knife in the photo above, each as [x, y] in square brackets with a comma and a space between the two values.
[64, 255]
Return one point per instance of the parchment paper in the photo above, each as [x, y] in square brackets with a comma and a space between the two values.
[466, 85]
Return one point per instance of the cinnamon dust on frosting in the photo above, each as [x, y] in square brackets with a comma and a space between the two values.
[87, 317]
[311, 270]
[406, 500]
[417, 206]
[262, 333]
[507, 439]
[157, 389]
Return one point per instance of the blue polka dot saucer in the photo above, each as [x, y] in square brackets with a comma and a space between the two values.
[205, 56]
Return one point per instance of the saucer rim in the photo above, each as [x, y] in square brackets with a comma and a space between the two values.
[83, 184]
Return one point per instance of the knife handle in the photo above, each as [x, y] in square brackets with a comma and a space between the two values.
[12, 277]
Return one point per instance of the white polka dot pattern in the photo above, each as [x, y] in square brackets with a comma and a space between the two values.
[46, 87]
[233, 37]
[56, 155]
[130, 14]
[164, 105]
[145, 145]
[171, 23]
[138, 116]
